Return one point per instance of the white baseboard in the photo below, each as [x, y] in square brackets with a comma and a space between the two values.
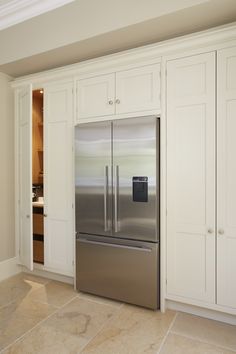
[8, 268]
[202, 312]
[48, 275]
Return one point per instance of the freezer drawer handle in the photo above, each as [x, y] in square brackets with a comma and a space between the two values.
[105, 197]
[116, 177]
[144, 249]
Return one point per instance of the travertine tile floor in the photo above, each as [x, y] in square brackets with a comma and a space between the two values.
[42, 316]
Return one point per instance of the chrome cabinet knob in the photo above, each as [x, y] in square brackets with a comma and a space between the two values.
[221, 232]
[45, 215]
[28, 216]
[117, 101]
[110, 102]
[210, 231]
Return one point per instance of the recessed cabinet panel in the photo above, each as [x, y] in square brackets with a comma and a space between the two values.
[226, 212]
[138, 89]
[191, 178]
[96, 96]
[58, 179]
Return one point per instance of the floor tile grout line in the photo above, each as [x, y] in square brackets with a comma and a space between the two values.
[118, 309]
[37, 325]
[202, 341]
[98, 302]
[167, 333]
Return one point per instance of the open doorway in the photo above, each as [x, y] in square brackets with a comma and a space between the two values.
[37, 176]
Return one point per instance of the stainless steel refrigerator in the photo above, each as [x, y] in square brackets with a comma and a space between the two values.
[117, 209]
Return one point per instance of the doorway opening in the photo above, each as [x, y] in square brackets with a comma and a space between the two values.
[37, 176]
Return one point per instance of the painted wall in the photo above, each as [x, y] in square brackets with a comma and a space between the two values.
[7, 238]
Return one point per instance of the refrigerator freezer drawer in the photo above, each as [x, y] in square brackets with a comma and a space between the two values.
[119, 269]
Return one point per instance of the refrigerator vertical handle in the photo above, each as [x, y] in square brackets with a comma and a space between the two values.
[116, 174]
[105, 197]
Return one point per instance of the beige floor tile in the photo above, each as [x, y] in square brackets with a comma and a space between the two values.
[176, 344]
[67, 331]
[133, 331]
[54, 293]
[19, 287]
[101, 300]
[19, 317]
[47, 340]
[209, 331]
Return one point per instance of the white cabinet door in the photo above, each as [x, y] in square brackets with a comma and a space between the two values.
[138, 89]
[95, 96]
[24, 170]
[226, 169]
[58, 181]
[191, 178]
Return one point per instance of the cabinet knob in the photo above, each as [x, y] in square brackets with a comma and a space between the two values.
[117, 101]
[210, 231]
[110, 102]
[28, 216]
[221, 232]
[45, 215]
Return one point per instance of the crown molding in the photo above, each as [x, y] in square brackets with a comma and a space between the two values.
[16, 11]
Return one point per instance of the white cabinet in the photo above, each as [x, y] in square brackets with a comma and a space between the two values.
[133, 91]
[24, 175]
[58, 181]
[201, 258]
[138, 89]
[96, 96]
[58, 177]
[191, 178]
[226, 176]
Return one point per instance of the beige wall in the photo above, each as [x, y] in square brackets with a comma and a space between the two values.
[7, 238]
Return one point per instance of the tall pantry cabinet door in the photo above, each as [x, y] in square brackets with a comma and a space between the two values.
[226, 173]
[58, 181]
[191, 178]
[24, 175]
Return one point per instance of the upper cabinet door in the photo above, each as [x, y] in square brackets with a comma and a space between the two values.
[24, 171]
[138, 89]
[58, 180]
[95, 96]
[226, 169]
[191, 178]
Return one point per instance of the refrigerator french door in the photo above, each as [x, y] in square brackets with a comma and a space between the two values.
[117, 209]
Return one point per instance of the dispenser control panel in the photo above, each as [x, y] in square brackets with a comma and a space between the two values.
[140, 189]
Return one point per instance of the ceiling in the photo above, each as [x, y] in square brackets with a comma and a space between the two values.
[16, 11]
[78, 34]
